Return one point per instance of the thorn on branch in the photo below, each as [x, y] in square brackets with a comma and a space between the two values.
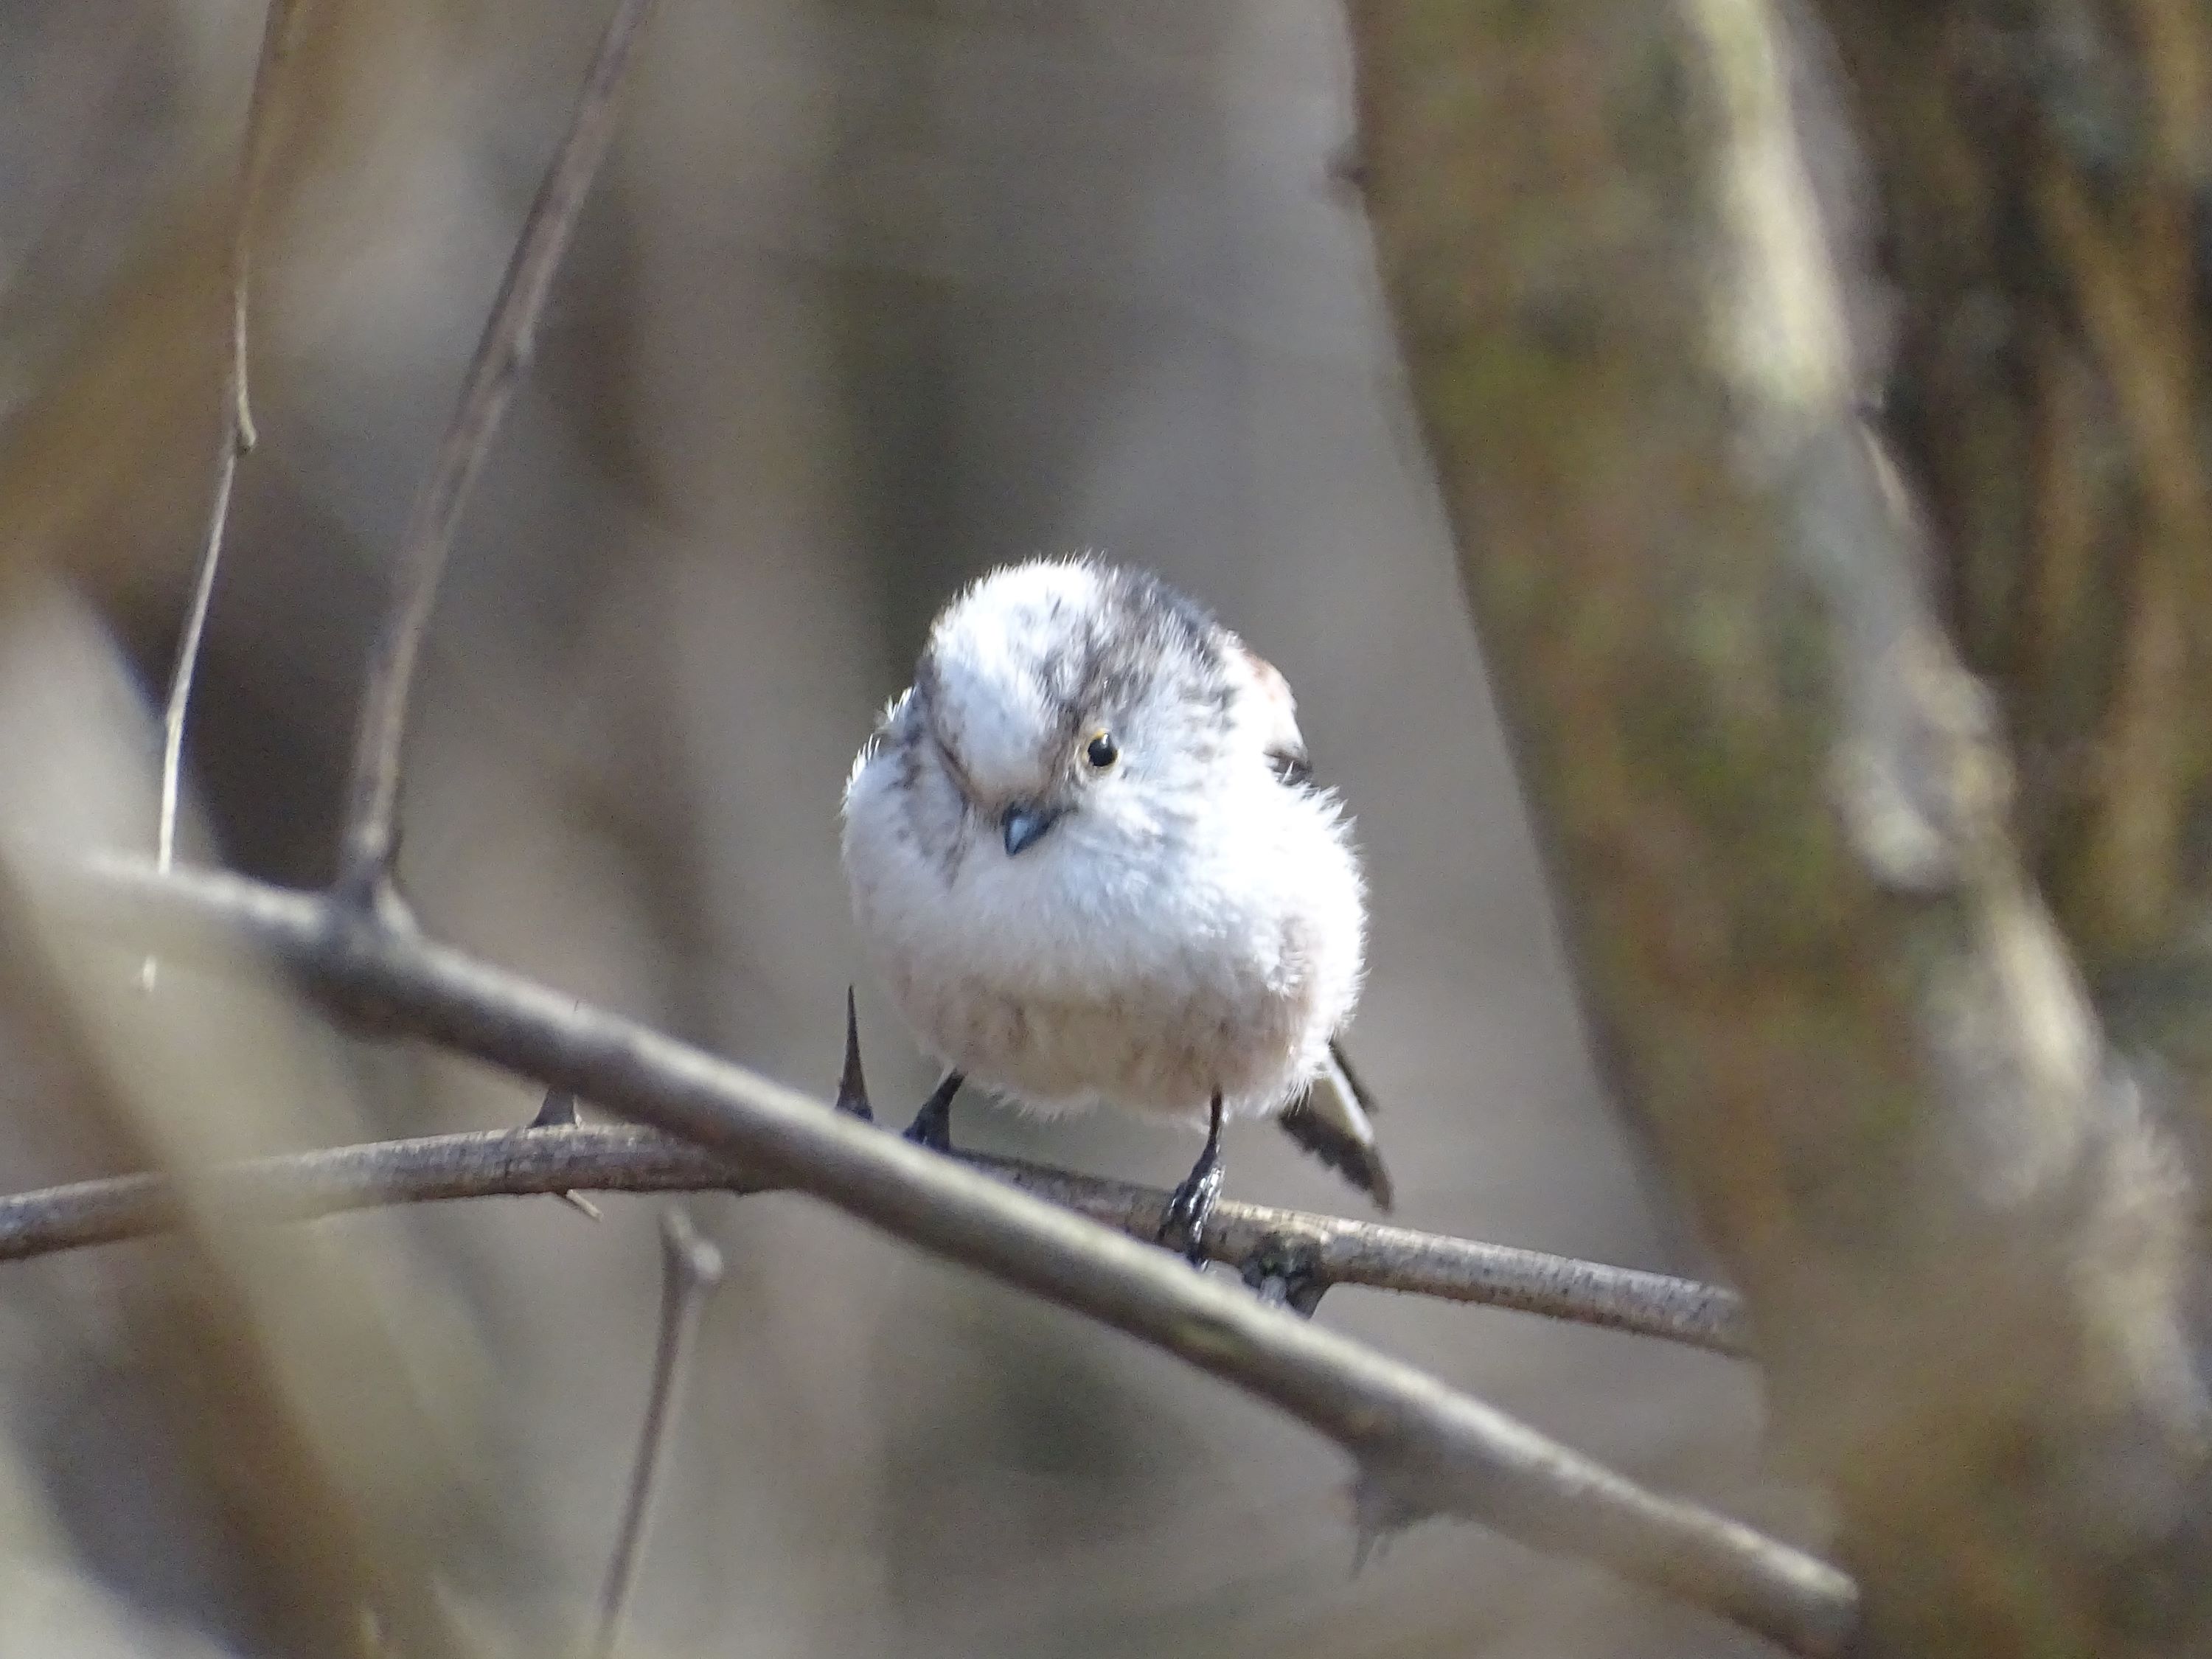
[1380, 1512]
[540, 1161]
[852, 1085]
[559, 1112]
[1450, 1453]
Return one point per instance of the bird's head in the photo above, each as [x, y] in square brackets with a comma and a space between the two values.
[1067, 692]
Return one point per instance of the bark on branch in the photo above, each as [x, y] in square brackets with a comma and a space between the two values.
[1422, 1448]
[1323, 1250]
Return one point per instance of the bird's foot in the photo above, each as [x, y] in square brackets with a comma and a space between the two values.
[1183, 1228]
[1286, 1273]
[932, 1124]
[1190, 1206]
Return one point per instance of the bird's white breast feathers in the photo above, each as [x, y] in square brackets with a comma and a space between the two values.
[1210, 942]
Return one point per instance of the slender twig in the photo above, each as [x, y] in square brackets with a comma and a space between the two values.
[1332, 1251]
[690, 1268]
[502, 357]
[1433, 1449]
[560, 1157]
[238, 436]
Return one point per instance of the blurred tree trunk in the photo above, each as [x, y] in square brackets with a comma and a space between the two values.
[2045, 171]
[1837, 961]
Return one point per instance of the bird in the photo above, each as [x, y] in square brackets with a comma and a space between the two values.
[1088, 860]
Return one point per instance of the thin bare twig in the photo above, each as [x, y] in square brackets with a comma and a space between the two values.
[238, 437]
[690, 1268]
[1331, 1251]
[1432, 1449]
[501, 359]
[562, 1157]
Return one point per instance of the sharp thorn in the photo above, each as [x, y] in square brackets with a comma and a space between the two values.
[852, 1085]
[1380, 1510]
[559, 1112]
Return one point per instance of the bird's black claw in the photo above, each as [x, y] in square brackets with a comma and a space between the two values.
[1286, 1274]
[1190, 1206]
[932, 1124]
[931, 1127]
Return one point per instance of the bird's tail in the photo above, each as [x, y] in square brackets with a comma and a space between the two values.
[1333, 1120]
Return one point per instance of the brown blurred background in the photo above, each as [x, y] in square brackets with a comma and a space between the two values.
[871, 297]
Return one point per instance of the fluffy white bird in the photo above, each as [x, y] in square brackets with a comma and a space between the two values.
[1088, 858]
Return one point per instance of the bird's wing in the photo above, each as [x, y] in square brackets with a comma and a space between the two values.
[1333, 1120]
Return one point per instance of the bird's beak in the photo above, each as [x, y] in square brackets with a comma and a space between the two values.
[1025, 825]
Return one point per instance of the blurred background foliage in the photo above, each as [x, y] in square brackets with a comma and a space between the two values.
[872, 296]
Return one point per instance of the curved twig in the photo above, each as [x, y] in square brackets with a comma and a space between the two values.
[690, 1268]
[1431, 1449]
[238, 436]
[560, 1158]
[502, 356]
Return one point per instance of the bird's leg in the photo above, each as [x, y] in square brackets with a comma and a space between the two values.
[1183, 1226]
[932, 1124]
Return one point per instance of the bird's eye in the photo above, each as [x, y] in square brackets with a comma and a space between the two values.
[1101, 752]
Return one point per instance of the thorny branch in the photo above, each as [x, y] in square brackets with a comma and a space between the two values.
[690, 1268]
[1420, 1448]
[1429, 1449]
[502, 356]
[565, 1157]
